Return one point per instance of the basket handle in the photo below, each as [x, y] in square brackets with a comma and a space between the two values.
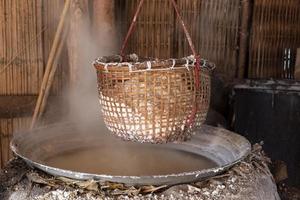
[132, 25]
[192, 117]
[134, 20]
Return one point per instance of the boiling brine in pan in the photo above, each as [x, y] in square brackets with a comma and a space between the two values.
[130, 161]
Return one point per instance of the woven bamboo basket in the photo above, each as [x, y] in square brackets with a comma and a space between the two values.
[151, 100]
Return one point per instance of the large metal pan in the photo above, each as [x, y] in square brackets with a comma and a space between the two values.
[36, 147]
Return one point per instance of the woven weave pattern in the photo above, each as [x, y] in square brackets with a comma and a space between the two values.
[152, 105]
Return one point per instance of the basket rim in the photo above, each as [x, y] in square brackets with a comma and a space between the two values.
[132, 61]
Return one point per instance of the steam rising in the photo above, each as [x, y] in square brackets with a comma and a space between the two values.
[90, 40]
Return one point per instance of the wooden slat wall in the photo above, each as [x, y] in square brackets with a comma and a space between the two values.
[21, 59]
[213, 25]
[26, 37]
[7, 127]
[21, 45]
[154, 32]
[27, 30]
[275, 37]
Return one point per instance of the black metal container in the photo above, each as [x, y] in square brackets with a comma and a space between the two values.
[269, 111]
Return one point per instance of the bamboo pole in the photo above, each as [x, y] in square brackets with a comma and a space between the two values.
[244, 38]
[52, 73]
[50, 68]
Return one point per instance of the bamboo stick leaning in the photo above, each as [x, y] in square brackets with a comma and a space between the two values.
[51, 66]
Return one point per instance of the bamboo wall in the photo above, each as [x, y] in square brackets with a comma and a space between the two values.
[216, 28]
[275, 37]
[27, 29]
[7, 127]
[213, 24]
[21, 42]
[154, 32]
